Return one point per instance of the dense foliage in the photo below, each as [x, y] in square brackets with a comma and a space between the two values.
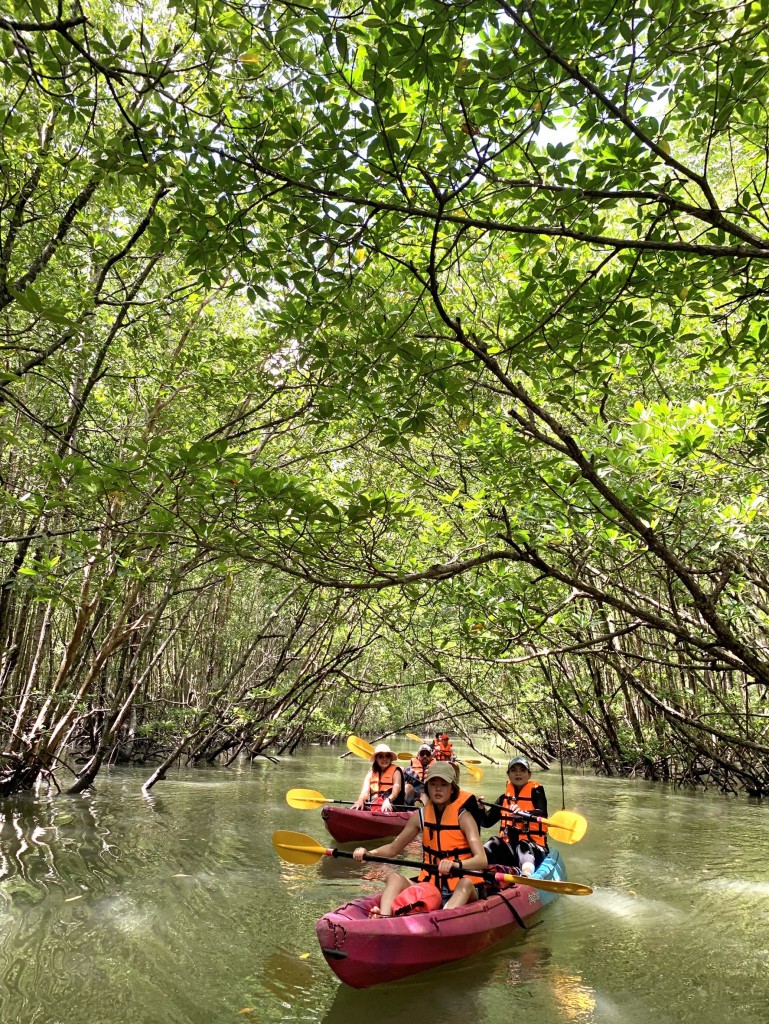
[377, 366]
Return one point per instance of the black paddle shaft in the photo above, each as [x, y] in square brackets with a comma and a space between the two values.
[412, 864]
[523, 815]
[395, 807]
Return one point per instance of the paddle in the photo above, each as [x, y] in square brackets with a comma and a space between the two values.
[564, 826]
[298, 848]
[476, 773]
[365, 750]
[309, 799]
[358, 746]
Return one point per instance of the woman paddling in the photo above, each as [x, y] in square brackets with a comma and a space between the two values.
[450, 839]
[383, 784]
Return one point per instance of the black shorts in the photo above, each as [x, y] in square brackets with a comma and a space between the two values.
[446, 893]
[498, 851]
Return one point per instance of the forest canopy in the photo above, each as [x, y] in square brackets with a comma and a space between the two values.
[381, 366]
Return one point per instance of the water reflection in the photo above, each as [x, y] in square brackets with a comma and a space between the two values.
[575, 999]
[48, 845]
[448, 994]
[520, 974]
[288, 988]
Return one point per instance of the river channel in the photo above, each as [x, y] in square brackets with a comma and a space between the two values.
[173, 908]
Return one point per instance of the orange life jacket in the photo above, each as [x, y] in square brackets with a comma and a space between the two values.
[443, 751]
[382, 782]
[443, 838]
[532, 831]
[416, 768]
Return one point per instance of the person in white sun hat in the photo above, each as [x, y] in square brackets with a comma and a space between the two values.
[383, 784]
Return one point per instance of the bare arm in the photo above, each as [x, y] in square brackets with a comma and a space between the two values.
[394, 847]
[396, 791]
[478, 861]
[397, 786]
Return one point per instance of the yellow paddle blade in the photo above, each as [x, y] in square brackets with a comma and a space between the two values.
[358, 746]
[566, 826]
[305, 799]
[413, 736]
[404, 756]
[476, 773]
[471, 760]
[297, 848]
[551, 885]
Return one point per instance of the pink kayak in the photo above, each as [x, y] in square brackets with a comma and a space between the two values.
[364, 952]
[349, 826]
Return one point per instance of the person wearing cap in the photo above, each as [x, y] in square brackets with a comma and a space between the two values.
[450, 840]
[383, 784]
[520, 843]
[415, 774]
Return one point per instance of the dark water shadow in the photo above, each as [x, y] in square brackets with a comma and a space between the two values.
[453, 992]
[286, 988]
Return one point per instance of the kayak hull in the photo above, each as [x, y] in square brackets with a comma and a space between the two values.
[363, 952]
[349, 826]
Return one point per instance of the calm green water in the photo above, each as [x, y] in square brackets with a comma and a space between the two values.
[174, 909]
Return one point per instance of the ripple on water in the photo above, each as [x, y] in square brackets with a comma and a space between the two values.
[125, 913]
[744, 886]
[629, 906]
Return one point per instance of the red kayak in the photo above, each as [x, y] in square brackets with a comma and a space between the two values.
[364, 952]
[349, 826]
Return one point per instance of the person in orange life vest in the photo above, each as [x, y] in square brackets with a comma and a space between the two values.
[442, 748]
[450, 838]
[383, 784]
[415, 774]
[520, 843]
